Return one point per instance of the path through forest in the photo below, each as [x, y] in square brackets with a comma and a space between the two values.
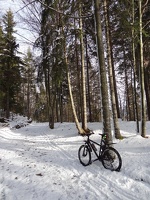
[37, 163]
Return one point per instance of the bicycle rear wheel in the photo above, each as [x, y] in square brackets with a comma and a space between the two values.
[84, 155]
[111, 159]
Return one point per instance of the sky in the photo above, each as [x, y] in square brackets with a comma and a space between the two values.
[21, 34]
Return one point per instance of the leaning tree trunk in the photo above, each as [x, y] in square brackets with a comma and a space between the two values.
[80, 129]
[143, 101]
[103, 78]
[110, 71]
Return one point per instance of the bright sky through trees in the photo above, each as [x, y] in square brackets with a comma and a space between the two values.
[21, 35]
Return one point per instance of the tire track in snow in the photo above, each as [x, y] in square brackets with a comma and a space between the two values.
[51, 171]
[92, 184]
[116, 191]
[16, 147]
[83, 182]
[89, 178]
[72, 172]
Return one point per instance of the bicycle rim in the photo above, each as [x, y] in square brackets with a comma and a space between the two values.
[111, 159]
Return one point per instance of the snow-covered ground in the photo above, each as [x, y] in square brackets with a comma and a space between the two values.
[37, 163]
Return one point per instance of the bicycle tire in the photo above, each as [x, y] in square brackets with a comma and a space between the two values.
[111, 159]
[84, 155]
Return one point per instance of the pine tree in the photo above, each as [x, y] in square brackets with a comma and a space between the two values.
[1, 67]
[10, 64]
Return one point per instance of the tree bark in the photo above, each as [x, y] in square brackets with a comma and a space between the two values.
[110, 71]
[103, 78]
[143, 100]
[134, 69]
[147, 89]
[88, 82]
[84, 114]
[80, 129]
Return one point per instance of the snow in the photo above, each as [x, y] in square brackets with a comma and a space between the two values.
[37, 163]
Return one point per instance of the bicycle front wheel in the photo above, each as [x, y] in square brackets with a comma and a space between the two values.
[111, 159]
[84, 155]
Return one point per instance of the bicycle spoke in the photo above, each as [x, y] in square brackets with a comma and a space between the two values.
[84, 155]
[111, 159]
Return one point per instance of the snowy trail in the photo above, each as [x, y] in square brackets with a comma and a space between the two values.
[41, 164]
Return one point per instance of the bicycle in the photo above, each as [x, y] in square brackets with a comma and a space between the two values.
[108, 155]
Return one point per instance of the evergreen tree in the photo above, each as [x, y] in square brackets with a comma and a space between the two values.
[10, 82]
[1, 66]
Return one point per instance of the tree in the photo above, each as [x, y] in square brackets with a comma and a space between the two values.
[103, 79]
[84, 112]
[134, 65]
[28, 84]
[48, 18]
[143, 100]
[1, 66]
[110, 72]
[10, 64]
[79, 128]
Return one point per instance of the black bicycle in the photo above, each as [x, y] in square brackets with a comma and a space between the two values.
[109, 156]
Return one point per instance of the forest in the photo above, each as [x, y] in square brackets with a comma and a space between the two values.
[89, 62]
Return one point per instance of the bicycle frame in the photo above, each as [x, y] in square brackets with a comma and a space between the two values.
[104, 152]
[89, 143]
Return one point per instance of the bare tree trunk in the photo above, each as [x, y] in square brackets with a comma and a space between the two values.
[126, 91]
[7, 103]
[134, 69]
[28, 98]
[103, 78]
[88, 82]
[143, 100]
[80, 129]
[115, 85]
[147, 89]
[61, 105]
[79, 99]
[114, 78]
[84, 115]
[51, 101]
[78, 68]
[110, 71]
